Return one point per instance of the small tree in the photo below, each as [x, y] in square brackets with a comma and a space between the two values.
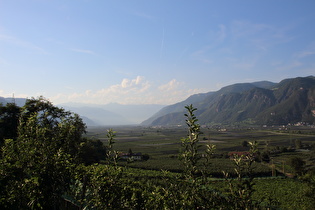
[189, 154]
[112, 155]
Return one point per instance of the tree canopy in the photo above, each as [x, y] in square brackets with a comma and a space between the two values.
[37, 165]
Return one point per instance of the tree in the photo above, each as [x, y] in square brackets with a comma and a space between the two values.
[66, 127]
[9, 118]
[92, 151]
[37, 167]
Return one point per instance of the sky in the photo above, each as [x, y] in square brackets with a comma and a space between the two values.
[150, 52]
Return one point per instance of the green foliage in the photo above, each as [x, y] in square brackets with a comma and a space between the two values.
[112, 155]
[241, 189]
[110, 187]
[91, 151]
[189, 154]
[284, 193]
[49, 161]
[210, 148]
[37, 167]
[9, 118]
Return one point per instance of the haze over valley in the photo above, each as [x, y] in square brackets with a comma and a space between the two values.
[289, 101]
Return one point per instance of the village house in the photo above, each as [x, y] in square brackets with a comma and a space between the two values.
[133, 156]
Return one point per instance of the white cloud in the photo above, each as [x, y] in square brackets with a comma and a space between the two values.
[126, 89]
[126, 83]
[132, 91]
[172, 85]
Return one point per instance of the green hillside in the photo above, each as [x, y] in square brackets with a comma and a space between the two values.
[289, 101]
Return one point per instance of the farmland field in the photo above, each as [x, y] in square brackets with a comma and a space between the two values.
[273, 186]
[164, 144]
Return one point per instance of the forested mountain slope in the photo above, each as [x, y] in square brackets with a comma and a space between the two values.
[290, 101]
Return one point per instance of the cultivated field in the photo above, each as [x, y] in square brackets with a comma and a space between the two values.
[164, 144]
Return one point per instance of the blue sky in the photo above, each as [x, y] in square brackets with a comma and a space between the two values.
[150, 52]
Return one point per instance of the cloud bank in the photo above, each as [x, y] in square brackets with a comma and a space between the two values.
[131, 91]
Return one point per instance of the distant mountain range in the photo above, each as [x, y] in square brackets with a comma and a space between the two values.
[108, 114]
[113, 113]
[289, 101]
